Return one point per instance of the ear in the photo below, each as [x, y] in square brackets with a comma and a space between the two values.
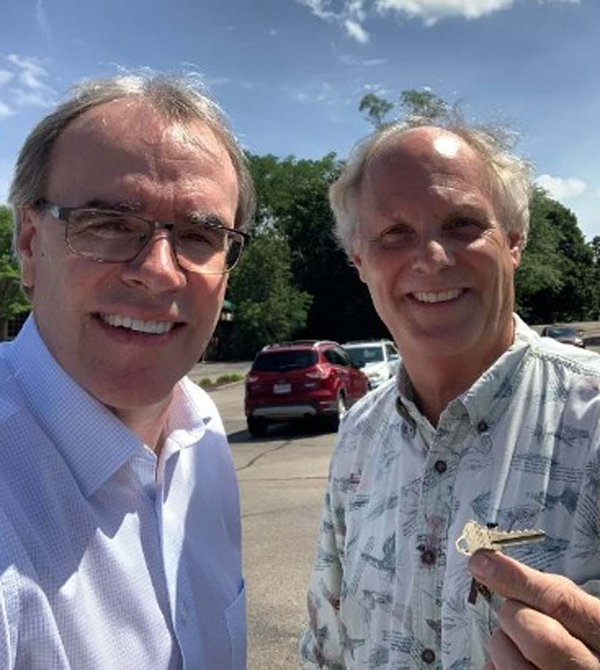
[357, 261]
[26, 245]
[515, 242]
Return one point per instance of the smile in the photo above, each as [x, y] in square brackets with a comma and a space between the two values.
[437, 296]
[139, 325]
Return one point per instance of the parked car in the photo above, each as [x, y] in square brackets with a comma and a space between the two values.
[378, 359]
[564, 333]
[298, 380]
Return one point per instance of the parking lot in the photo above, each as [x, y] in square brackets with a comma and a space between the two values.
[282, 479]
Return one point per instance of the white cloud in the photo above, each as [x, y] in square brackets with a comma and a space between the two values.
[322, 92]
[560, 188]
[350, 17]
[5, 110]
[5, 76]
[29, 84]
[351, 14]
[356, 31]
[41, 19]
[374, 61]
[431, 11]
[6, 169]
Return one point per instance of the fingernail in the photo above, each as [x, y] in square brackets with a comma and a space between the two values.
[481, 564]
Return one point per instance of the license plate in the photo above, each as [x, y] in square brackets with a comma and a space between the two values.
[282, 388]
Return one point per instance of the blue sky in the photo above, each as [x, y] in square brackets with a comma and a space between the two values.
[290, 73]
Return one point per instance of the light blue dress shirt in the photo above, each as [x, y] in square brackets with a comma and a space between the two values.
[108, 558]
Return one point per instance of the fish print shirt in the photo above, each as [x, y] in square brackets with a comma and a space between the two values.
[519, 449]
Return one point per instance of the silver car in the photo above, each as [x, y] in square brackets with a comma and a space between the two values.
[378, 359]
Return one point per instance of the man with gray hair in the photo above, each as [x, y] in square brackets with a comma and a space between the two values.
[486, 423]
[119, 508]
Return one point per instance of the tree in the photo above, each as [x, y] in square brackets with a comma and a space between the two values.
[292, 197]
[12, 300]
[375, 108]
[423, 104]
[557, 277]
[268, 308]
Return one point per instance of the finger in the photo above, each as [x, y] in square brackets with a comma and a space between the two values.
[554, 595]
[504, 653]
[542, 640]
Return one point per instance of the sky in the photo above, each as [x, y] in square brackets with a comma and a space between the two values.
[290, 74]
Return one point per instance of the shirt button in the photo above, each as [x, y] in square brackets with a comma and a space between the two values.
[441, 466]
[428, 557]
[482, 427]
[428, 655]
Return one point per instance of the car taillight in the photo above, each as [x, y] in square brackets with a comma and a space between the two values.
[252, 378]
[316, 373]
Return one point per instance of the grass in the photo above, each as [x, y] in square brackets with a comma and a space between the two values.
[208, 384]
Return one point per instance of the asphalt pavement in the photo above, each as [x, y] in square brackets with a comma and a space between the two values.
[282, 480]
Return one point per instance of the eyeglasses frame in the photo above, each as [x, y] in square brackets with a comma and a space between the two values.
[63, 214]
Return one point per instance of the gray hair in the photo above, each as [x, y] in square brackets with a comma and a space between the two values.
[180, 99]
[510, 176]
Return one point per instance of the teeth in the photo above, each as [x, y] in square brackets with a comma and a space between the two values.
[438, 296]
[154, 327]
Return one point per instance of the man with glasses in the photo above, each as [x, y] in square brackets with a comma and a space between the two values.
[119, 510]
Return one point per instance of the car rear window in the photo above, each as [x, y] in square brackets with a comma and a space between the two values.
[280, 361]
[365, 354]
[562, 331]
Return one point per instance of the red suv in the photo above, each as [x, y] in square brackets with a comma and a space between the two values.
[298, 380]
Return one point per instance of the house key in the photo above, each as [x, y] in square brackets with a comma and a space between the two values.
[475, 537]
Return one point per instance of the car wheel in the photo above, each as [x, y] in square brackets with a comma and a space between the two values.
[340, 409]
[257, 427]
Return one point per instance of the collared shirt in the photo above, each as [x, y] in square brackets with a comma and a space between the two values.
[108, 558]
[519, 449]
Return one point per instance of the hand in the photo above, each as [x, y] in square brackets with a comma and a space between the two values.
[546, 621]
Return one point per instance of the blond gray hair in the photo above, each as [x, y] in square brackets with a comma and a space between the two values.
[510, 176]
[180, 98]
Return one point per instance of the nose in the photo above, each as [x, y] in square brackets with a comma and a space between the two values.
[156, 269]
[432, 255]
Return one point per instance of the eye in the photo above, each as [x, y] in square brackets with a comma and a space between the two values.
[465, 227]
[394, 237]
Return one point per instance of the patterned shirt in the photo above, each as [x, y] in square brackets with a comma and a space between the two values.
[108, 557]
[520, 448]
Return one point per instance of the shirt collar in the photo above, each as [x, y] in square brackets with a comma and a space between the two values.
[90, 438]
[487, 398]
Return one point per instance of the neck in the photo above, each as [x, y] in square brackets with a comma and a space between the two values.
[438, 381]
[148, 422]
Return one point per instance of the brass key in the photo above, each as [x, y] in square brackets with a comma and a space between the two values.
[475, 537]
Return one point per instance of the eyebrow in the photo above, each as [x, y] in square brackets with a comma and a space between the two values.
[193, 216]
[119, 205]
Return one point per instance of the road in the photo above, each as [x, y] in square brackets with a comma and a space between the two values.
[282, 479]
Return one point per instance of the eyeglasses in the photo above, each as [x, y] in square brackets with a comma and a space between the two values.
[112, 236]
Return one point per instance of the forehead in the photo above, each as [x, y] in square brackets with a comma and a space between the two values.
[425, 162]
[126, 143]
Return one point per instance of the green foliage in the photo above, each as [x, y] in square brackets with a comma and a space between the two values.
[293, 202]
[12, 300]
[557, 277]
[413, 103]
[268, 308]
[207, 383]
[423, 104]
[375, 108]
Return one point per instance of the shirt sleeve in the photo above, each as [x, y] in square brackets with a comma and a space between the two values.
[321, 644]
